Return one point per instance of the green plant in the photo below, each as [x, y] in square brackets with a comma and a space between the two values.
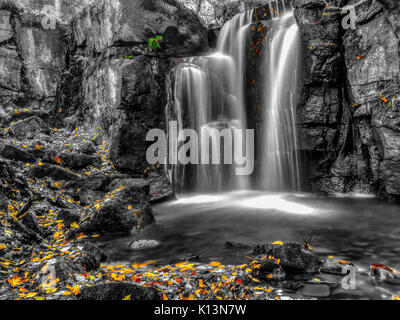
[154, 43]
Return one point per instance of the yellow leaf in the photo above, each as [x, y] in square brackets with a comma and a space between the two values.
[215, 264]
[76, 290]
[14, 281]
[128, 297]
[280, 243]
[74, 225]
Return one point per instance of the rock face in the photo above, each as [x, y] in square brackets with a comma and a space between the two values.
[89, 62]
[123, 87]
[348, 115]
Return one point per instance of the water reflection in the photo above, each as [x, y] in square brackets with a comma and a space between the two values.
[278, 203]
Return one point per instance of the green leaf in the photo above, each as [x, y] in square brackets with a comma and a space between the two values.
[129, 57]
[151, 41]
[154, 43]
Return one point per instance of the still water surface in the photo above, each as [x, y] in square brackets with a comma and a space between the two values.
[359, 229]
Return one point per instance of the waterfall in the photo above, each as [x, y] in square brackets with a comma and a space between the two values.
[209, 94]
[280, 163]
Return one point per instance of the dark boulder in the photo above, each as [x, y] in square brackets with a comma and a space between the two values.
[13, 153]
[91, 256]
[56, 172]
[293, 257]
[93, 182]
[128, 183]
[78, 161]
[118, 291]
[120, 211]
[381, 274]
[335, 266]
[161, 189]
[69, 217]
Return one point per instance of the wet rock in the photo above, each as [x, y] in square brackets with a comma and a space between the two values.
[78, 161]
[389, 4]
[42, 71]
[181, 29]
[319, 106]
[120, 212]
[6, 32]
[29, 128]
[30, 221]
[118, 291]
[69, 217]
[84, 258]
[161, 189]
[335, 266]
[315, 290]
[91, 256]
[88, 197]
[192, 257]
[87, 148]
[143, 244]
[56, 172]
[237, 246]
[294, 258]
[93, 182]
[128, 183]
[10, 67]
[13, 153]
[381, 274]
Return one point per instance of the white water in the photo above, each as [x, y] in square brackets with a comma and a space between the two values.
[209, 94]
[280, 163]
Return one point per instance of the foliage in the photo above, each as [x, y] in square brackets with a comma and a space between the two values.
[154, 43]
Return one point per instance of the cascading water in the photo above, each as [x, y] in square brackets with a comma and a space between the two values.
[280, 163]
[209, 94]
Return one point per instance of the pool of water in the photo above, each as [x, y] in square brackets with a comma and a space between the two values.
[359, 229]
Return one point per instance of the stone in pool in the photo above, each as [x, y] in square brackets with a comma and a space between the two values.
[144, 244]
[315, 290]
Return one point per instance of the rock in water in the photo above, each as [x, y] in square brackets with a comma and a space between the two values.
[335, 266]
[315, 290]
[144, 244]
[237, 246]
[293, 257]
[381, 274]
[120, 212]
